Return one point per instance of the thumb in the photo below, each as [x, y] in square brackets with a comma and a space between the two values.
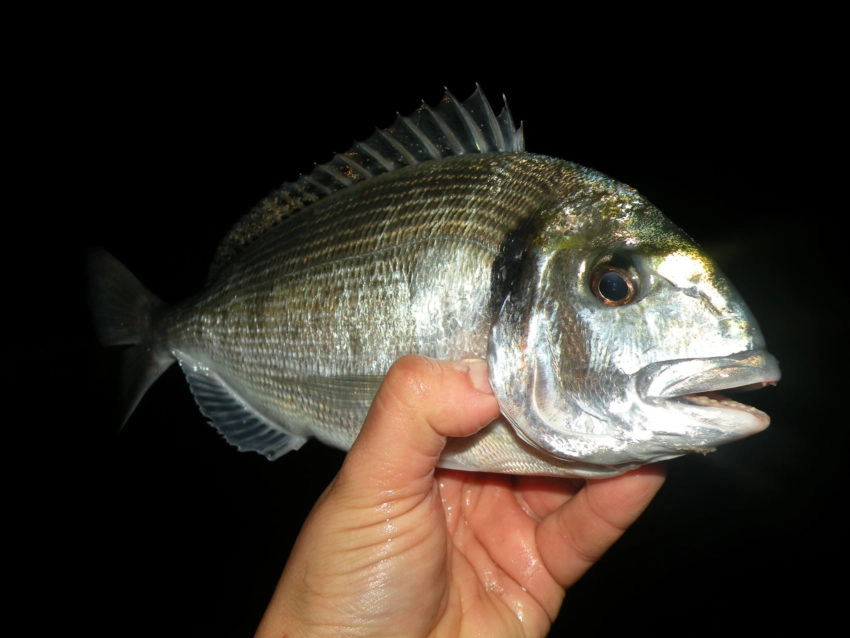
[420, 402]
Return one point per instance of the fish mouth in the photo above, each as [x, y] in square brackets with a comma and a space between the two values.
[696, 389]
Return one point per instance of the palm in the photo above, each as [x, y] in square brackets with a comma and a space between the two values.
[509, 546]
[493, 555]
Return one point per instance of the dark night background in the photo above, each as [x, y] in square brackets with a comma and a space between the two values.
[152, 146]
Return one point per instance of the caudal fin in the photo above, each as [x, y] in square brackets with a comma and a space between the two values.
[123, 311]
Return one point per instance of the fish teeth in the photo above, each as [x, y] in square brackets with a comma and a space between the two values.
[717, 400]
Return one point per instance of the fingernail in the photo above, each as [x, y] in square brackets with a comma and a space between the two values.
[479, 374]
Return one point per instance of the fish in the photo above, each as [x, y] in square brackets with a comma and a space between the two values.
[612, 339]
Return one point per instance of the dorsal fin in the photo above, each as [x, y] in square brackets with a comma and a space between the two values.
[450, 128]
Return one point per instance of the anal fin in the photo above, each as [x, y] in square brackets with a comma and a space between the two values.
[241, 425]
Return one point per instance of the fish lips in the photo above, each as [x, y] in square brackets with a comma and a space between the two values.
[692, 388]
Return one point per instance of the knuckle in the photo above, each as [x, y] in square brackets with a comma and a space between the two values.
[410, 379]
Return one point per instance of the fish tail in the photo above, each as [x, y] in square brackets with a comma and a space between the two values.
[123, 312]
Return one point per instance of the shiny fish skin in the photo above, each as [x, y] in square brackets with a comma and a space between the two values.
[468, 248]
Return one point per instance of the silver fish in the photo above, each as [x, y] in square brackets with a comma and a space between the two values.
[607, 331]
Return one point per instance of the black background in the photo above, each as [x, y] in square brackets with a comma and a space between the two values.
[152, 144]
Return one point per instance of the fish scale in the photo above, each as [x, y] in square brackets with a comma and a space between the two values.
[375, 242]
[442, 236]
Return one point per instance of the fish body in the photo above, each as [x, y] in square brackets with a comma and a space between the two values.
[608, 332]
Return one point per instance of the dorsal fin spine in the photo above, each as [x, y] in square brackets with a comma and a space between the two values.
[454, 142]
[494, 126]
[431, 150]
[374, 154]
[357, 166]
[397, 146]
[472, 127]
[335, 174]
[316, 183]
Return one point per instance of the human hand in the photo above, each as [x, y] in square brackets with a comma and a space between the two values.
[396, 546]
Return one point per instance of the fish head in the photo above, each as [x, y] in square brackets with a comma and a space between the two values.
[616, 335]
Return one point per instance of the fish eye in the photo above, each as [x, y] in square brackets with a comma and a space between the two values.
[613, 285]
